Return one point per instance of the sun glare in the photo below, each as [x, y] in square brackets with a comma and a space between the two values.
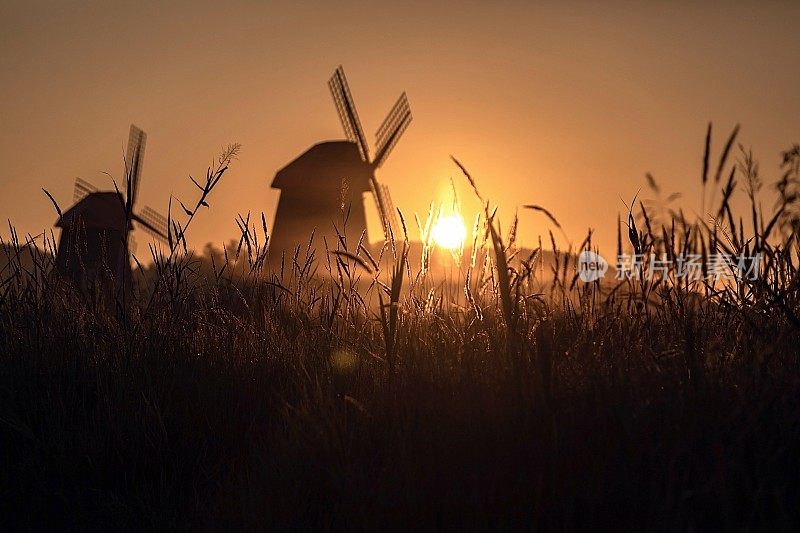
[449, 232]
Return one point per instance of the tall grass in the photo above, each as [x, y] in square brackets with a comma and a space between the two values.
[349, 387]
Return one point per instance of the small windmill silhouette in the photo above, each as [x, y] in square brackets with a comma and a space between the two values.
[326, 184]
[93, 251]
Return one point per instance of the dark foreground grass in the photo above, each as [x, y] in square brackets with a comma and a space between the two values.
[222, 421]
[247, 400]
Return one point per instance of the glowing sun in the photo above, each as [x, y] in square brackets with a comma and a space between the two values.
[449, 231]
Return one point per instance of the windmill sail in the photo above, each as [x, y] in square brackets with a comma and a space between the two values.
[152, 222]
[378, 195]
[82, 189]
[347, 111]
[391, 212]
[392, 128]
[386, 208]
[134, 159]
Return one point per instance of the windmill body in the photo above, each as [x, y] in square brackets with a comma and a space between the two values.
[93, 249]
[323, 190]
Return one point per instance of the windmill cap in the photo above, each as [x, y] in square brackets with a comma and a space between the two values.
[98, 210]
[329, 161]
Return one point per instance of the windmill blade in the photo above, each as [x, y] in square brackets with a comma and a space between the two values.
[391, 212]
[152, 222]
[377, 193]
[347, 111]
[391, 130]
[399, 109]
[82, 189]
[385, 208]
[134, 159]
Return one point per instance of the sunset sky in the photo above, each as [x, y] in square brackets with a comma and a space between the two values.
[565, 105]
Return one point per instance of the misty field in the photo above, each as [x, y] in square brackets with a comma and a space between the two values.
[350, 389]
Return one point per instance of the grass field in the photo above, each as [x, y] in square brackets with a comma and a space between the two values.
[373, 396]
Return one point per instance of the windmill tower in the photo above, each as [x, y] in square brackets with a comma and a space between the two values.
[325, 186]
[95, 231]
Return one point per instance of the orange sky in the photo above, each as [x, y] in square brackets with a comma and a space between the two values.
[564, 105]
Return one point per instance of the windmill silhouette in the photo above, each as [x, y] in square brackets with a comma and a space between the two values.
[324, 187]
[93, 251]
